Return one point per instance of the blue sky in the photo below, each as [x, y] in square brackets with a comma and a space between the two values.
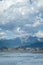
[21, 18]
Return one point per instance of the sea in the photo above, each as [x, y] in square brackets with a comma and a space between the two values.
[7, 58]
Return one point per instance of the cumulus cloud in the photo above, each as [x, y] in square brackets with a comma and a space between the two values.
[13, 8]
[3, 35]
[35, 24]
[21, 17]
[40, 3]
[19, 32]
[39, 34]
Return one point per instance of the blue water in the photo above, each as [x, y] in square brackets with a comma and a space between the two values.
[21, 59]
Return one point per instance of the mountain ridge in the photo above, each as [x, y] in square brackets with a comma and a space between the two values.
[25, 42]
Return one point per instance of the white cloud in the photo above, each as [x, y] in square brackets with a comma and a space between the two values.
[9, 10]
[20, 12]
[3, 37]
[38, 21]
[35, 24]
[5, 4]
[40, 3]
[19, 31]
[39, 34]
[28, 25]
[20, 1]
[2, 33]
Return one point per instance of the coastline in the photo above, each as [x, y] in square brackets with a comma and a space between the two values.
[22, 50]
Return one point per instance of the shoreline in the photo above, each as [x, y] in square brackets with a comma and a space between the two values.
[22, 50]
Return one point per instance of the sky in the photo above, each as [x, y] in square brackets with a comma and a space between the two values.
[20, 18]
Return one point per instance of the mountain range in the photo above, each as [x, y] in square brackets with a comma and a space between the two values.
[29, 41]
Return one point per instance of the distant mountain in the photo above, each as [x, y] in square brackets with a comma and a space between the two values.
[33, 42]
[10, 43]
[29, 41]
[35, 45]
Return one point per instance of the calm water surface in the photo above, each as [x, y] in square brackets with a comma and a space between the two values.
[21, 59]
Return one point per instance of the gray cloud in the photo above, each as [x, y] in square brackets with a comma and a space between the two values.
[26, 14]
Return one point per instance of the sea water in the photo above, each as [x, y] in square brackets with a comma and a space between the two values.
[21, 59]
